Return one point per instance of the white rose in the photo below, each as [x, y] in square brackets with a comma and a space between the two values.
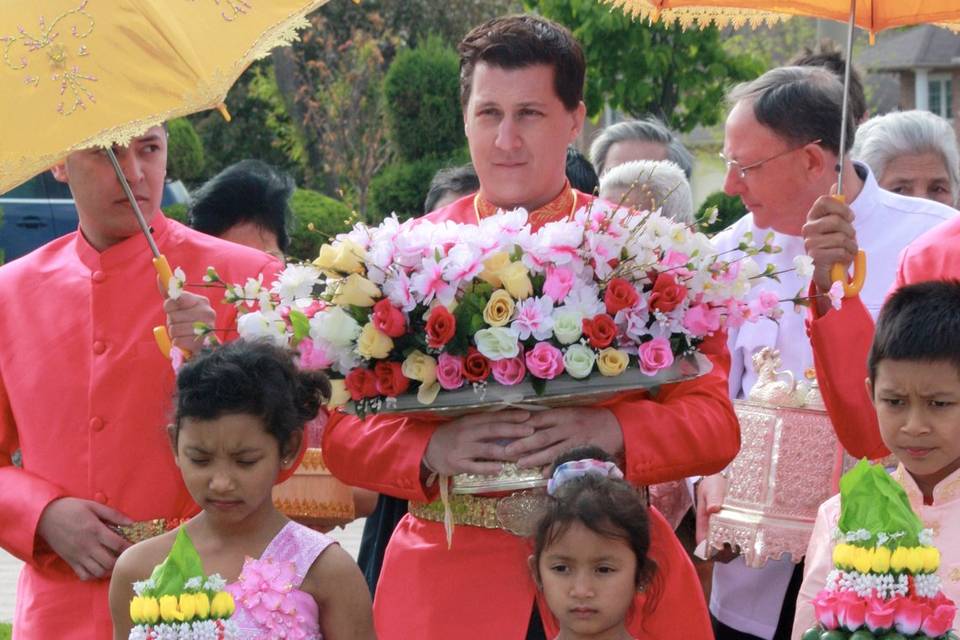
[335, 326]
[578, 360]
[497, 343]
[567, 326]
[262, 325]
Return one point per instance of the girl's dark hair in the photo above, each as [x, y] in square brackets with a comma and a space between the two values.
[609, 507]
[250, 377]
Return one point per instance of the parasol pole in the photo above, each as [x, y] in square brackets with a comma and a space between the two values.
[160, 263]
[851, 286]
[846, 96]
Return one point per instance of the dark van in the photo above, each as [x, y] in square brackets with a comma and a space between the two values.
[42, 209]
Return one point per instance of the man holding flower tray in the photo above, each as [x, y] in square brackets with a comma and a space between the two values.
[521, 89]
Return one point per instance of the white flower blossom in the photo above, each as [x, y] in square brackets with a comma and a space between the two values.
[804, 266]
[175, 284]
[295, 284]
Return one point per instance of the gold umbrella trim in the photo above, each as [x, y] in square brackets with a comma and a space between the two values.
[208, 96]
[720, 16]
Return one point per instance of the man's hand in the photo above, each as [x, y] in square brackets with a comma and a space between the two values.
[182, 313]
[76, 531]
[829, 238]
[710, 493]
[475, 443]
[559, 430]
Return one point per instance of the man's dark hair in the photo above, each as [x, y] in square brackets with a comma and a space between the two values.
[918, 322]
[519, 41]
[247, 191]
[580, 172]
[799, 104]
[459, 181]
[827, 55]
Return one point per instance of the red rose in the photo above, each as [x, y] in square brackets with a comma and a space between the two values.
[620, 294]
[361, 383]
[390, 379]
[441, 325]
[389, 319]
[476, 367]
[667, 294]
[600, 331]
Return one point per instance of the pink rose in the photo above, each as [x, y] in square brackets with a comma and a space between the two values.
[825, 608]
[558, 283]
[880, 614]
[450, 371]
[655, 355]
[940, 621]
[909, 616]
[545, 361]
[509, 371]
[851, 610]
[701, 320]
[313, 357]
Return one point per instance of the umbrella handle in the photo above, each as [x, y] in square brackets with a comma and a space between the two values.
[160, 334]
[851, 285]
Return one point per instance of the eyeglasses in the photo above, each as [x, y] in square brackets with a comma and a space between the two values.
[742, 169]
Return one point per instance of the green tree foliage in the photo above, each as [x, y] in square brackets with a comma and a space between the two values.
[260, 128]
[421, 93]
[316, 219]
[177, 211]
[679, 76]
[402, 186]
[729, 210]
[185, 157]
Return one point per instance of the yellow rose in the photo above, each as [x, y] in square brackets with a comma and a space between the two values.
[151, 610]
[169, 610]
[222, 605]
[373, 343]
[931, 559]
[356, 290]
[914, 559]
[339, 395]
[499, 309]
[881, 560]
[136, 610]
[898, 559]
[188, 606]
[202, 602]
[516, 280]
[612, 362]
[344, 256]
[862, 559]
[420, 366]
[841, 555]
[492, 267]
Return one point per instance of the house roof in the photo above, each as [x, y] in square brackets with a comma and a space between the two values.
[925, 46]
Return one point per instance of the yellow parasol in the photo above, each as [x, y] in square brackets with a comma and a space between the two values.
[86, 73]
[872, 15]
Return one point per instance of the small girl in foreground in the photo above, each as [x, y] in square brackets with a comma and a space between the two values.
[240, 411]
[590, 548]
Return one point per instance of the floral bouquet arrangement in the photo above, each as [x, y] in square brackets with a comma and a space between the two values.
[178, 602]
[884, 583]
[446, 316]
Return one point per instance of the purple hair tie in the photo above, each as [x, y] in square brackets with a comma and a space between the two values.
[576, 468]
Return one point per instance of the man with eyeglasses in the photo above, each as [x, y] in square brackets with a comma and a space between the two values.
[781, 147]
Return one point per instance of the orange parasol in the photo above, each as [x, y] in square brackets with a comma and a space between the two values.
[872, 15]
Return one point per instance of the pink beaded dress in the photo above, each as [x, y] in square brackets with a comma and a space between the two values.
[269, 601]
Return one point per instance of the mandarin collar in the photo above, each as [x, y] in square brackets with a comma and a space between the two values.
[561, 207]
[947, 490]
[120, 254]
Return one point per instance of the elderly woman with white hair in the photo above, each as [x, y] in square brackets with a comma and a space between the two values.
[649, 185]
[913, 153]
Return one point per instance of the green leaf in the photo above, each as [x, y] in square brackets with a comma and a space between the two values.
[182, 563]
[301, 325]
[870, 499]
[539, 385]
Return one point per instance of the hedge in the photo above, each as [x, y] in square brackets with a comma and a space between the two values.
[327, 216]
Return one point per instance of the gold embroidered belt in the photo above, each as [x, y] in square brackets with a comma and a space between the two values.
[145, 529]
[517, 513]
